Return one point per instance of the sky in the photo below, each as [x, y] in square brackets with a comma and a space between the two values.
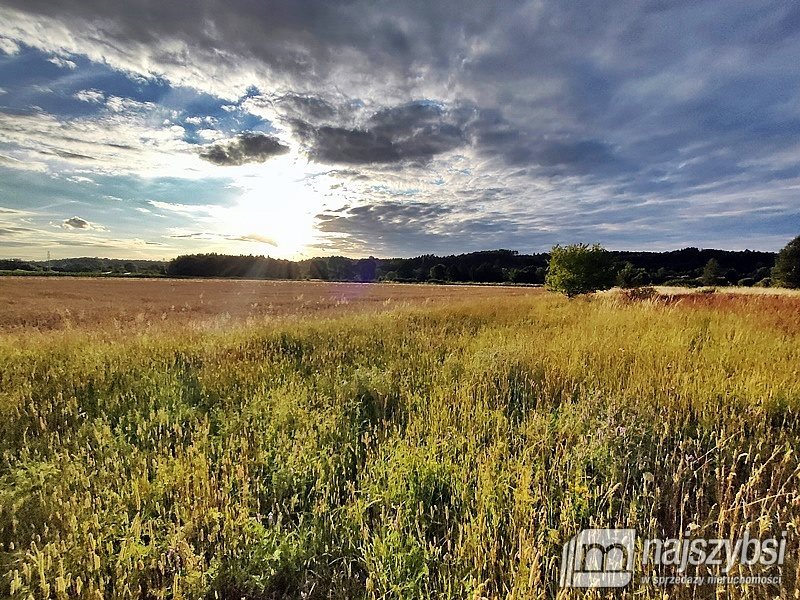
[298, 128]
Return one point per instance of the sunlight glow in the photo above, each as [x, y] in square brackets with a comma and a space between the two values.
[276, 213]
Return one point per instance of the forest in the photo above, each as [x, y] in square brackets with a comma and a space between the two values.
[687, 267]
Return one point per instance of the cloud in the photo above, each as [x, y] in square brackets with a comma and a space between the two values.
[257, 237]
[94, 96]
[133, 140]
[353, 146]
[76, 223]
[185, 209]
[8, 46]
[81, 179]
[62, 62]
[246, 148]
[213, 236]
[196, 120]
[305, 107]
[417, 130]
[625, 120]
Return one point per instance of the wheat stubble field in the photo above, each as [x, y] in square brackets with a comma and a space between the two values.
[442, 446]
[56, 303]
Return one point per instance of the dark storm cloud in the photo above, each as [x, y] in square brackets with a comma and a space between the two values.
[393, 213]
[307, 108]
[394, 228]
[348, 146]
[308, 40]
[589, 78]
[414, 131]
[247, 148]
[387, 226]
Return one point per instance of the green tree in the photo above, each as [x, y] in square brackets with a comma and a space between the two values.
[712, 273]
[786, 272]
[367, 269]
[579, 269]
[487, 273]
[631, 277]
[438, 272]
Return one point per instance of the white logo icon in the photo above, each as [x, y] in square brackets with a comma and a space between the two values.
[598, 558]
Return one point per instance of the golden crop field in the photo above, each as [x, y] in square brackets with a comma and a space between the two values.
[46, 303]
[445, 445]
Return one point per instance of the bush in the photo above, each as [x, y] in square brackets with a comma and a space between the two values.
[632, 277]
[766, 282]
[682, 282]
[579, 269]
[641, 294]
[746, 282]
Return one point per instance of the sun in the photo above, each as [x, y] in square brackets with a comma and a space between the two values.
[276, 213]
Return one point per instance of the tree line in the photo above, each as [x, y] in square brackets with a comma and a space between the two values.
[687, 267]
[690, 267]
[84, 266]
[581, 269]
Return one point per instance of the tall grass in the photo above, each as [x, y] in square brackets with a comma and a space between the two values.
[423, 453]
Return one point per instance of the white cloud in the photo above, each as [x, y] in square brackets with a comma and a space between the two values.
[62, 62]
[8, 46]
[81, 179]
[210, 135]
[94, 96]
[22, 163]
[207, 120]
[116, 141]
[118, 104]
[198, 211]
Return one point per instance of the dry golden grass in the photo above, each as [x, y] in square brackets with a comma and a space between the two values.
[746, 291]
[774, 309]
[443, 450]
[47, 303]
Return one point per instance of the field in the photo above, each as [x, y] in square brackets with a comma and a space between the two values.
[407, 442]
[46, 303]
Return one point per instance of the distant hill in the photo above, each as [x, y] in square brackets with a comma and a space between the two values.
[85, 266]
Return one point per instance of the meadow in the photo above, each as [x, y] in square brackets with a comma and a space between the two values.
[437, 449]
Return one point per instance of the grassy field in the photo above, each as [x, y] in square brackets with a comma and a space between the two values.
[46, 303]
[439, 450]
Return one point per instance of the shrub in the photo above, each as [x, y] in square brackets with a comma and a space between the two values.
[640, 294]
[746, 282]
[682, 282]
[632, 277]
[579, 269]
